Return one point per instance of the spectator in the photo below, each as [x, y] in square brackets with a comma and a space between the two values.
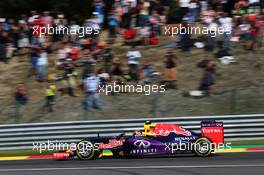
[62, 55]
[155, 22]
[243, 30]
[23, 42]
[4, 40]
[99, 9]
[206, 82]
[70, 79]
[133, 61]
[42, 64]
[50, 93]
[253, 34]
[170, 72]
[116, 71]
[46, 19]
[211, 37]
[193, 9]
[107, 58]
[33, 17]
[188, 18]
[91, 87]
[144, 34]
[147, 72]
[143, 16]
[104, 76]
[113, 25]
[21, 94]
[226, 24]
[34, 56]
[186, 41]
[184, 7]
[74, 28]
[88, 61]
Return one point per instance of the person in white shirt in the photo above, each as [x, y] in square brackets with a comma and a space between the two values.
[244, 30]
[144, 34]
[226, 24]
[42, 63]
[33, 17]
[133, 61]
[91, 87]
[62, 55]
[184, 3]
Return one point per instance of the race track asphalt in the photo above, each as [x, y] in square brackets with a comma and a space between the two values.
[220, 164]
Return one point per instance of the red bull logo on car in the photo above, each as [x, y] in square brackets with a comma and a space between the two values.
[112, 144]
[166, 129]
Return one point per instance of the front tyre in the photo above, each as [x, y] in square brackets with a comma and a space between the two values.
[203, 147]
[85, 150]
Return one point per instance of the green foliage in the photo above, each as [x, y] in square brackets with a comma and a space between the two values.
[173, 12]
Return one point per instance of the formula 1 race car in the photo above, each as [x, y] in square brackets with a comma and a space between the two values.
[156, 139]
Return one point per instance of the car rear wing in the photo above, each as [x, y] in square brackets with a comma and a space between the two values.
[213, 130]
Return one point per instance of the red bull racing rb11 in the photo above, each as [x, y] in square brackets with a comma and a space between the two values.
[155, 139]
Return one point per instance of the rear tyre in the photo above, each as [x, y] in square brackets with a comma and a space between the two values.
[203, 147]
[85, 150]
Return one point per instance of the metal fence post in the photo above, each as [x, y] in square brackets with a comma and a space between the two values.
[153, 109]
[17, 112]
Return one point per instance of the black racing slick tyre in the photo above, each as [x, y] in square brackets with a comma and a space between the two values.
[86, 151]
[203, 147]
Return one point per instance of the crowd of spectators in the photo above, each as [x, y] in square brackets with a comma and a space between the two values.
[138, 22]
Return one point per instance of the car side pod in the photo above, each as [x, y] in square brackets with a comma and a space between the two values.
[214, 131]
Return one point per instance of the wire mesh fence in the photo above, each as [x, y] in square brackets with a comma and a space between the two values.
[171, 103]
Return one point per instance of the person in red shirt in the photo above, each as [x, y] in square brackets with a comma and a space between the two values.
[74, 53]
[253, 34]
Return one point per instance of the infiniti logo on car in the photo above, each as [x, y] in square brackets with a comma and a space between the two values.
[142, 144]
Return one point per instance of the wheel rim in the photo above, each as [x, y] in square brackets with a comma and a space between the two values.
[203, 147]
[85, 149]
